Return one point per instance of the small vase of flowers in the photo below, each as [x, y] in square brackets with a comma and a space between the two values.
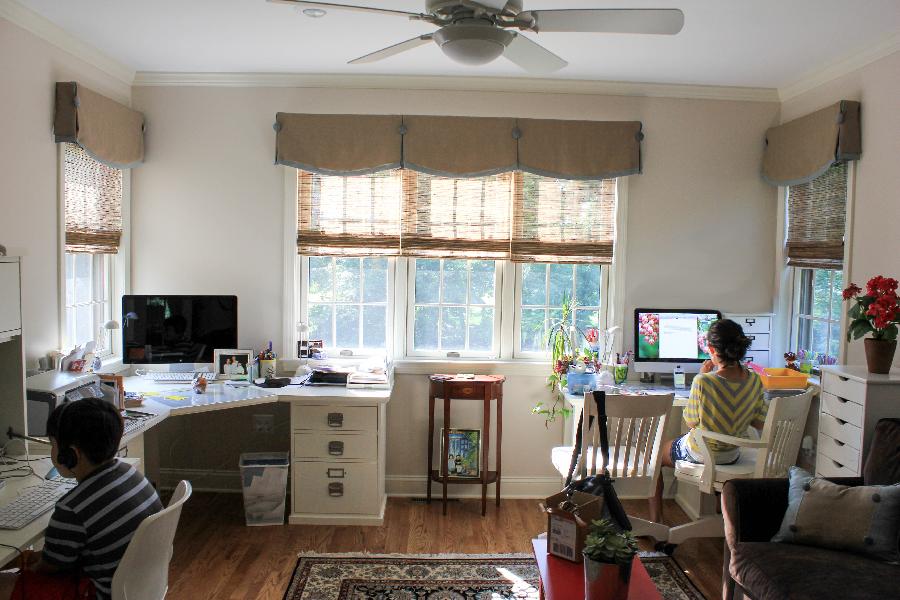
[876, 312]
[608, 554]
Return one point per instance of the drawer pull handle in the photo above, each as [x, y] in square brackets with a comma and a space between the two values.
[838, 442]
[837, 464]
[336, 489]
[467, 390]
[752, 337]
[335, 419]
[335, 473]
[749, 321]
[843, 378]
[335, 448]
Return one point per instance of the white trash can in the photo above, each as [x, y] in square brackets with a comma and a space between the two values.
[264, 482]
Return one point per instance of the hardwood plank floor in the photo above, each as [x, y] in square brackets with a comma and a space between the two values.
[218, 557]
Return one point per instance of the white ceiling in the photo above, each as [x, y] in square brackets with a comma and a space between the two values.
[755, 43]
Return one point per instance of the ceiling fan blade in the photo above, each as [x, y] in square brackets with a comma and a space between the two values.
[532, 57]
[663, 21]
[392, 50]
[330, 5]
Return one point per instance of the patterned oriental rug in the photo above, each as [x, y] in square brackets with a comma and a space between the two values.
[447, 577]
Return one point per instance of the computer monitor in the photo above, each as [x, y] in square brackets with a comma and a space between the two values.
[177, 329]
[668, 337]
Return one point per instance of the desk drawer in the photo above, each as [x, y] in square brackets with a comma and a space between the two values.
[758, 341]
[828, 467]
[335, 487]
[844, 410]
[842, 387]
[752, 324]
[759, 357]
[334, 418]
[838, 451]
[336, 445]
[840, 430]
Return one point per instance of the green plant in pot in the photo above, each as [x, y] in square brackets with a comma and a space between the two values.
[608, 554]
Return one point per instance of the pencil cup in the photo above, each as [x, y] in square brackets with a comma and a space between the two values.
[267, 368]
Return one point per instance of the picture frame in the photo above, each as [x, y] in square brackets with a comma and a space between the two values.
[233, 364]
[464, 451]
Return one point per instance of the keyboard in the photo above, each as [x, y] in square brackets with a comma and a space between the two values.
[32, 503]
[167, 377]
[132, 424]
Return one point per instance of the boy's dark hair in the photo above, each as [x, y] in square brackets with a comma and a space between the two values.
[94, 426]
[728, 339]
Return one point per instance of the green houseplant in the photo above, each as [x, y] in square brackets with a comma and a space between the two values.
[608, 554]
[564, 341]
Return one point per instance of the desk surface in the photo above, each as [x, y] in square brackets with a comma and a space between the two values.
[681, 396]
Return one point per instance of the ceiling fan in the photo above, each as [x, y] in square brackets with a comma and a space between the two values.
[475, 32]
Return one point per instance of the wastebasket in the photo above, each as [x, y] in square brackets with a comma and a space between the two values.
[264, 482]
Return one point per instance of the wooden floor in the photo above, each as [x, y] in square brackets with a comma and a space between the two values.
[218, 557]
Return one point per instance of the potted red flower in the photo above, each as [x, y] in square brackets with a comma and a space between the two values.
[876, 312]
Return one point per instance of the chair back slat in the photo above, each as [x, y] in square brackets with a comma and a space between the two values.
[783, 434]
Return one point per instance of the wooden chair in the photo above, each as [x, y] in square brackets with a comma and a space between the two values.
[769, 456]
[635, 425]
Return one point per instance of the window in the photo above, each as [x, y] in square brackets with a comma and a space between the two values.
[88, 300]
[541, 290]
[453, 307]
[347, 302]
[817, 311]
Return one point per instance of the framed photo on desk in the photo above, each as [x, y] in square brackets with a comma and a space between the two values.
[464, 454]
[233, 364]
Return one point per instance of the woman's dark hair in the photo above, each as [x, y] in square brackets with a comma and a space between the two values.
[729, 340]
[92, 425]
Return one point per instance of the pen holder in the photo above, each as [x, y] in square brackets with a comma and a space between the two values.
[267, 368]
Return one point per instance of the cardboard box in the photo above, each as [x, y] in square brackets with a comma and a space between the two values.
[567, 526]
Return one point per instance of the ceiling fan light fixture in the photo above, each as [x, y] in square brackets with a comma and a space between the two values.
[472, 44]
[315, 13]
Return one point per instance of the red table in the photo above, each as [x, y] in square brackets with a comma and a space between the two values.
[564, 580]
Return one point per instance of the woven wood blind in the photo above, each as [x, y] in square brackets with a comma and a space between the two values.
[457, 217]
[356, 215]
[559, 220]
[93, 203]
[816, 216]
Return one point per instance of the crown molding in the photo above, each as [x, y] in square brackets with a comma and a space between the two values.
[471, 84]
[48, 31]
[841, 67]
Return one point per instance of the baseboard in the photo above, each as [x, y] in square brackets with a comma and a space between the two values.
[202, 480]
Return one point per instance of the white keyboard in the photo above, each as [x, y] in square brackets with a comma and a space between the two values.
[32, 503]
[167, 377]
[132, 424]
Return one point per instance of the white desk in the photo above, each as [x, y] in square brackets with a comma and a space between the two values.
[34, 531]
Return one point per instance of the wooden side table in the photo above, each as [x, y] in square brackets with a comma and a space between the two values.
[484, 388]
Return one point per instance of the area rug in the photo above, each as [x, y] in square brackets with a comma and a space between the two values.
[446, 577]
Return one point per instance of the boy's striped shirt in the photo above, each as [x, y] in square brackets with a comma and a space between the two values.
[93, 523]
[723, 406]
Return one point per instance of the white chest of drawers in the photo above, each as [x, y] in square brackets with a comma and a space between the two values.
[758, 327]
[338, 459]
[851, 404]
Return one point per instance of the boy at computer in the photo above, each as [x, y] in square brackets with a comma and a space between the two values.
[725, 398]
[92, 524]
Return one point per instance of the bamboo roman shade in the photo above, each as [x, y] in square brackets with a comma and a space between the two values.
[816, 217]
[557, 220]
[358, 215]
[801, 150]
[457, 146]
[92, 193]
[109, 131]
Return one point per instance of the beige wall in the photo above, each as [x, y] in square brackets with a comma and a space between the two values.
[208, 218]
[875, 248]
[29, 68]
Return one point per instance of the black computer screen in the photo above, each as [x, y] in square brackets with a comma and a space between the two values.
[177, 329]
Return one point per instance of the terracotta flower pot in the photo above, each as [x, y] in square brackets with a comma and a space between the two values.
[880, 355]
[605, 581]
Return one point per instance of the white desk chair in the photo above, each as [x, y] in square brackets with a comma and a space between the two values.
[770, 456]
[143, 572]
[635, 425]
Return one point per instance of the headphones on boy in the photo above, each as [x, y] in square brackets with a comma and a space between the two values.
[65, 455]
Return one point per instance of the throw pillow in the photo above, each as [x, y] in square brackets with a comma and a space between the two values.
[861, 519]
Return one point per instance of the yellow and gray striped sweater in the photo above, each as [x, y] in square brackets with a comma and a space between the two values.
[724, 406]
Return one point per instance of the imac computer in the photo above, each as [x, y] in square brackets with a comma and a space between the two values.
[670, 338]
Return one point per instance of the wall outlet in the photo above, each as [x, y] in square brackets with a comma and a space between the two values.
[263, 423]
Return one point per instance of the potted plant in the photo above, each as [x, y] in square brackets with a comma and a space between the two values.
[608, 554]
[876, 312]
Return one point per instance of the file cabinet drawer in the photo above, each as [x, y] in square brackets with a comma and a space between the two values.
[839, 452]
[840, 430]
[758, 341]
[335, 418]
[842, 409]
[845, 388]
[336, 445]
[753, 324]
[828, 467]
[330, 487]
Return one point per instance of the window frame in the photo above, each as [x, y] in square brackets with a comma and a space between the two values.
[834, 319]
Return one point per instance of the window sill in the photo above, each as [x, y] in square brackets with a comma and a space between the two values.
[533, 368]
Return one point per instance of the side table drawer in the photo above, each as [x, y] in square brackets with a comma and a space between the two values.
[845, 388]
[828, 467]
[329, 487]
[840, 430]
[842, 409]
[336, 445]
[334, 418]
[839, 452]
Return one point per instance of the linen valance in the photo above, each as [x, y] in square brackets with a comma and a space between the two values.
[109, 131]
[457, 146]
[801, 150]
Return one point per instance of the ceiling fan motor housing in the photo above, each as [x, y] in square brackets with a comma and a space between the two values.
[472, 42]
[445, 7]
